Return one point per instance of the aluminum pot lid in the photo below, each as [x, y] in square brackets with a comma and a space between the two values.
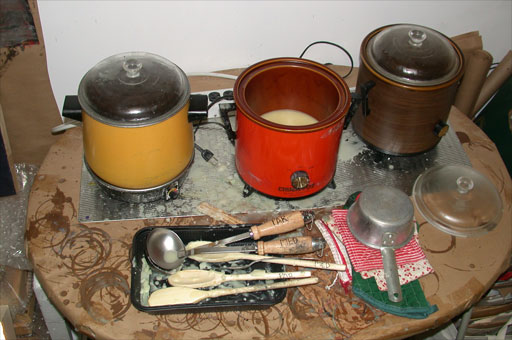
[458, 200]
[133, 89]
[413, 55]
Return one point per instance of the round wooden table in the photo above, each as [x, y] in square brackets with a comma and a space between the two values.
[85, 267]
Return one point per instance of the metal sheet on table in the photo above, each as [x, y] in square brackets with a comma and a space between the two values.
[219, 184]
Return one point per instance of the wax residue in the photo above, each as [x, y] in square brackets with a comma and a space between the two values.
[289, 117]
[351, 146]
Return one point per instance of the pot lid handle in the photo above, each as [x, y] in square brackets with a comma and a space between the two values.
[132, 68]
[413, 55]
[416, 37]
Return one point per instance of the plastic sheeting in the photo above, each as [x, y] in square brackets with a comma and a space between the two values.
[13, 215]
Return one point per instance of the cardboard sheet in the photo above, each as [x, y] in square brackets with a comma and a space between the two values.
[84, 267]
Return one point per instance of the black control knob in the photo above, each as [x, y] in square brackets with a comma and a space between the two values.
[441, 129]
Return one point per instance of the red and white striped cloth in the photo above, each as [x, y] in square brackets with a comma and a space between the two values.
[364, 258]
[406, 273]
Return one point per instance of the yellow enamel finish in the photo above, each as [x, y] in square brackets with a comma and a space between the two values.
[139, 157]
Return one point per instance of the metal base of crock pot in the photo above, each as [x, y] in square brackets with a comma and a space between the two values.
[167, 191]
[219, 184]
[390, 153]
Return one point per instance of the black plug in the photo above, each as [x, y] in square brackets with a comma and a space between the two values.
[206, 154]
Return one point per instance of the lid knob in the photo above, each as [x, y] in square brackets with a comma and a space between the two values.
[417, 37]
[132, 68]
[464, 184]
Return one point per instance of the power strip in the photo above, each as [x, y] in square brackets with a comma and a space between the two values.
[214, 111]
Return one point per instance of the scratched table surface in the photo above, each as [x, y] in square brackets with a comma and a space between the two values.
[85, 267]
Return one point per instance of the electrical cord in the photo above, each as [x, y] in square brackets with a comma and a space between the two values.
[201, 123]
[206, 154]
[215, 101]
[218, 99]
[336, 45]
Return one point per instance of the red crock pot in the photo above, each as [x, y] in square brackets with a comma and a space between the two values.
[289, 161]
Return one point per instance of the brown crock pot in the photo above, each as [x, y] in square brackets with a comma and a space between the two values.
[407, 81]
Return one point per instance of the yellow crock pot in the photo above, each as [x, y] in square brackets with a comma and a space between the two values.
[135, 120]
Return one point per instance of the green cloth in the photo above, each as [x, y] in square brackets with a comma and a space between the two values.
[414, 305]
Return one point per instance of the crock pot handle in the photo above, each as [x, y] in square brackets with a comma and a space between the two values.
[357, 99]
[198, 108]
[224, 109]
[365, 88]
[72, 108]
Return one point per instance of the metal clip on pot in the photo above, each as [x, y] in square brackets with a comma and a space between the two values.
[197, 109]
[358, 99]
[224, 109]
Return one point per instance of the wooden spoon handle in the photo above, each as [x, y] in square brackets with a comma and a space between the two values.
[261, 275]
[292, 245]
[306, 263]
[257, 288]
[279, 225]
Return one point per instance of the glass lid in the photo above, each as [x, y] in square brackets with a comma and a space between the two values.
[133, 89]
[414, 55]
[458, 200]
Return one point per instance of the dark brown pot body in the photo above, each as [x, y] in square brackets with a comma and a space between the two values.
[402, 119]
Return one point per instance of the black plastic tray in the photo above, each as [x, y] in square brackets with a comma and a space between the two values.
[256, 300]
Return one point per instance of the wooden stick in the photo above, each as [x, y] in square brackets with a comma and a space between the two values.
[218, 214]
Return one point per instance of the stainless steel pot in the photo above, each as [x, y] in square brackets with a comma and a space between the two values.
[382, 218]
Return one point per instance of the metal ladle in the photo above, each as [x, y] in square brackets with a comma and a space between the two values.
[165, 249]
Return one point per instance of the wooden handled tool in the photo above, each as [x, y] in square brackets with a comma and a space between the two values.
[292, 245]
[197, 278]
[226, 257]
[184, 295]
[281, 224]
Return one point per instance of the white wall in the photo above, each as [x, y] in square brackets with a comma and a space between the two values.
[204, 36]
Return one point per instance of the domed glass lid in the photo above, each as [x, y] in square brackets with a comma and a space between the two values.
[133, 89]
[414, 55]
[458, 200]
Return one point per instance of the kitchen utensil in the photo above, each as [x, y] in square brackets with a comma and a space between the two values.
[226, 257]
[406, 85]
[278, 225]
[193, 278]
[166, 250]
[183, 295]
[137, 136]
[298, 160]
[291, 245]
[382, 218]
[140, 265]
[458, 200]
